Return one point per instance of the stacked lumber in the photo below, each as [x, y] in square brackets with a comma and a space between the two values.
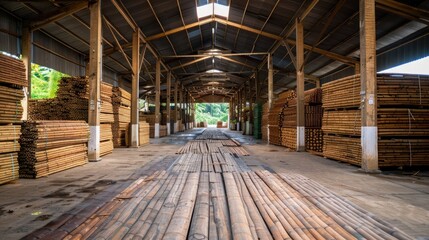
[264, 126]
[12, 81]
[276, 116]
[48, 147]
[10, 104]
[313, 113]
[106, 136]
[9, 148]
[402, 119]
[162, 131]
[12, 72]
[219, 124]
[121, 101]
[144, 130]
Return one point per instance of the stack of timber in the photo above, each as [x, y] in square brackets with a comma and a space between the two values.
[121, 101]
[71, 103]
[106, 139]
[12, 81]
[402, 120]
[9, 148]
[313, 113]
[144, 129]
[48, 147]
[264, 124]
[276, 116]
[162, 131]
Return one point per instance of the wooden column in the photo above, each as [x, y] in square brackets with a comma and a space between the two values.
[95, 74]
[257, 88]
[135, 90]
[270, 81]
[168, 101]
[181, 104]
[368, 70]
[157, 97]
[27, 56]
[176, 86]
[300, 115]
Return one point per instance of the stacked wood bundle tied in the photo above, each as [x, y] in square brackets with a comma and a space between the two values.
[71, 103]
[144, 130]
[313, 112]
[121, 101]
[9, 148]
[402, 120]
[12, 81]
[276, 116]
[106, 136]
[48, 147]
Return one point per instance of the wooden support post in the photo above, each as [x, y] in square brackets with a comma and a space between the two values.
[270, 81]
[135, 91]
[317, 83]
[176, 112]
[357, 68]
[257, 88]
[181, 104]
[27, 56]
[300, 82]
[168, 102]
[368, 70]
[157, 97]
[239, 110]
[95, 68]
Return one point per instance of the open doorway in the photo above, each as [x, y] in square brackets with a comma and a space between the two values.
[212, 115]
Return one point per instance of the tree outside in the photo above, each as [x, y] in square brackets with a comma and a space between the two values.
[211, 112]
[44, 81]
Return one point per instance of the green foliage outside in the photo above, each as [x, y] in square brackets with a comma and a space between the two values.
[44, 81]
[211, 112]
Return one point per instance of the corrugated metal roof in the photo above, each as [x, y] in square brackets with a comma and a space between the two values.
[270, 16]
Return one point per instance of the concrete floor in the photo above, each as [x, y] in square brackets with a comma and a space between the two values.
[398, 197]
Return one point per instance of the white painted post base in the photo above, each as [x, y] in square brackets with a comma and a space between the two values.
[238, 126]
[176, 127]
[156, 135]
[94, 144]
[300, 139]
[134, 136]
[168, 129]
[369, 143]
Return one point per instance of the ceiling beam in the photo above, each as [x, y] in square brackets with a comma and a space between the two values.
[335, 56]
[404, 10]
[63, 12]
[191, 62]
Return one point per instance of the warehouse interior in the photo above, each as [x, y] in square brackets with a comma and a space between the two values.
[316, 142]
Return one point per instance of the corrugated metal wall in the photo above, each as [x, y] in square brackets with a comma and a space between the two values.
[50, 53]
[9, 32]
[409, 52]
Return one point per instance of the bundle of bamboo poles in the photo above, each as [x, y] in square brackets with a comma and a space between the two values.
[10, 104]
[9, 148]
[12, 71]
[289, 137]
[144, 130]
[314, 140]
[48, 147]
[402, 118]
[190, 203]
